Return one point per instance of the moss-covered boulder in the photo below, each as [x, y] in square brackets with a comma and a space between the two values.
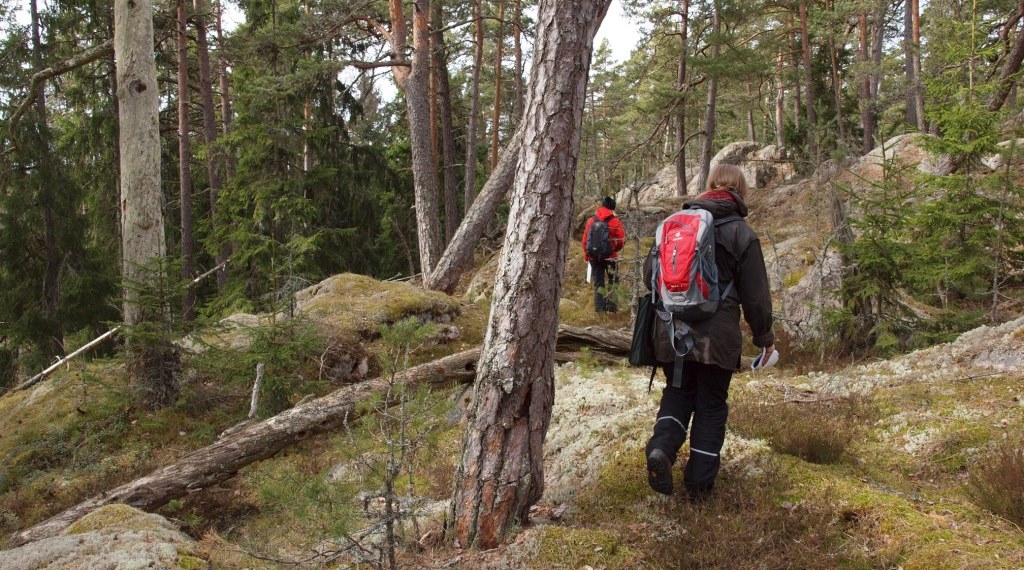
[355, 306]
[115, 537]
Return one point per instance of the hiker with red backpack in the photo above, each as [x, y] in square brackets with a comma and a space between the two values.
[706, 264]
[603, 237]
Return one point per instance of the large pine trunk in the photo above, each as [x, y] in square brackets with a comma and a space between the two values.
[439, 61]
[142, 220]
[417, 99]
[474, 106]
[501, 473]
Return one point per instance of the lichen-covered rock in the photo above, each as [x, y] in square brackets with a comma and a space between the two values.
[805, 302]
[115, 537]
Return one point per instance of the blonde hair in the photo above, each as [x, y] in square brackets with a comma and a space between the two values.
[729, 176]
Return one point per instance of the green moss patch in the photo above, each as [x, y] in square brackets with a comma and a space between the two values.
[562, 547]
[354, 305]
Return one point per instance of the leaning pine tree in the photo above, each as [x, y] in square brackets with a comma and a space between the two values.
[500, 474]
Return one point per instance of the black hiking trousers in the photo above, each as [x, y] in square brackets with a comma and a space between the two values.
[604, 275]
[700, 407]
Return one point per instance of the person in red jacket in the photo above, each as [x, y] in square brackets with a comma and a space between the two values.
[602, 251]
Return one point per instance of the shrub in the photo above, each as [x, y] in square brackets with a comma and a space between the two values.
[819, 431]
[997, 483]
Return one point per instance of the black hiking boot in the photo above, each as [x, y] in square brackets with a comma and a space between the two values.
[659, 472]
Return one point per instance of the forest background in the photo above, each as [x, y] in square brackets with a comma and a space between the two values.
[285, 158]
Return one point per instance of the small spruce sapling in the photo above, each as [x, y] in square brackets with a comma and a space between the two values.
[406, 424]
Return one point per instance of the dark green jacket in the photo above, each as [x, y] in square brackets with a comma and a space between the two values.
[717, 340]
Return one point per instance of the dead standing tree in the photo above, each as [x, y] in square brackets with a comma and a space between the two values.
[142, 220]
[500, 474]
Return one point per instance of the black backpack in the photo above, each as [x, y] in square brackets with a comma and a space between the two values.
[599, 242]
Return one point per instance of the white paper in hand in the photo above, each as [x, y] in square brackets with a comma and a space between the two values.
[760, 362]
[589, 270]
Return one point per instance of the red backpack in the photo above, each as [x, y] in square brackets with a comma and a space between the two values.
[685, 276]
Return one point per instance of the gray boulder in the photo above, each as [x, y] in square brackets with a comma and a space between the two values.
[733, 153]
[114, 537]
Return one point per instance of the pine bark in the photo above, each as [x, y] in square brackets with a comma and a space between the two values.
[707, 150]
[142, 221]
[474, 106]
[496, 113]
[683, 89]
[500, 474]
[188, 302]
[415, 81]
[439, 61]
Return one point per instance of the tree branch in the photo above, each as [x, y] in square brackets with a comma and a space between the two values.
[88, 56]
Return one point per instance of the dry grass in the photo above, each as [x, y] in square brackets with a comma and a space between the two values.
[819, 432]
[997, 482]
[745, 524]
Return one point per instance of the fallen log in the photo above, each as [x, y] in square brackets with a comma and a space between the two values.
[611, 341]
[255, 441]
[260, 440]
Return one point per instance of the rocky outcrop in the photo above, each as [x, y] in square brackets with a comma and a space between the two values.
[900, 154]
[114, 537]
[658, 190]
[733, 153]
[760, 167]
[347, 308]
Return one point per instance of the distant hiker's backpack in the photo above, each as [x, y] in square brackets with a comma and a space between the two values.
[599, 242]
[685, 275]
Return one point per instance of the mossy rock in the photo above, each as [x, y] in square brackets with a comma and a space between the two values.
[114, 536]
[356, 305]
